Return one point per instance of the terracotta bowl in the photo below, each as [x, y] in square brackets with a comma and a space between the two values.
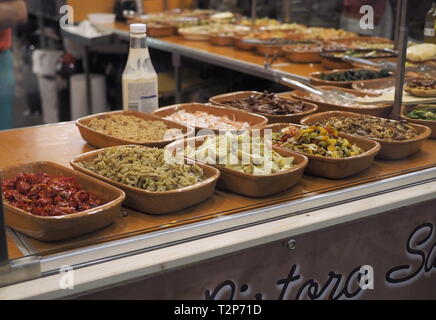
[58, 228]
[391, 150]
[255, 120]
[294, 53]
[406, 109]
[315, 79]
[238, 41]
[346, 44]
[222, 40]
[248, 184]
[194, 36]
[380, 110]
[159, 31]
[270, 50]
[338, 168]
[329, 60]
[101, 140]
[222, 99]
[157, 202]
[373, 84]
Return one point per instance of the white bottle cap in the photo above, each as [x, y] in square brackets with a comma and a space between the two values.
[138, 28]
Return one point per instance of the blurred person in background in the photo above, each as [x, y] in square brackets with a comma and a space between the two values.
[12, 13]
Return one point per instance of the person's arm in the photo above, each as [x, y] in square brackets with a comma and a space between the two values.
[12, 13]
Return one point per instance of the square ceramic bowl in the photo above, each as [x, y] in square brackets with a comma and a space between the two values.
[255, 121]
[248, 184]
[224, 99]
[378, 110]
[157, 202]
[102, 140]
[338, 168]
[391, 150]
[57, 228]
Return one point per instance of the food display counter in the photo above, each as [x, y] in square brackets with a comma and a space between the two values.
[359, 223]
[139, 245]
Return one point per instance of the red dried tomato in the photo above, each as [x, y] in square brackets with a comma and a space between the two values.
[45, 195]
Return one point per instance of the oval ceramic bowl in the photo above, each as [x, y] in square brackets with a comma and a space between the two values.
[102, 140]
[222, 39]
[240, 44]
[379, 110]
[255, 120]
[157, 202]
[160, 30]
[390, 150]
[330, 61]
[406, 109]
[194, 36]
[58, 228]
[338, 168]
[223, 99]
[270, 50]
[309, 54]
[376, 84]
[352, 43]
[315, 79]
[248, 184]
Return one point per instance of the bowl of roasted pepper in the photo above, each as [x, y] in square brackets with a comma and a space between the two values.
[331, 154]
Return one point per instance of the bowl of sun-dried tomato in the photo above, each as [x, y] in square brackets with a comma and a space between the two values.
[49, 202]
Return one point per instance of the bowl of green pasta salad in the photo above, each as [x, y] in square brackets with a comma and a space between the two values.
[154, 182]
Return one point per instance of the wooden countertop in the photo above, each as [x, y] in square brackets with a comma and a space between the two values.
[61, 142]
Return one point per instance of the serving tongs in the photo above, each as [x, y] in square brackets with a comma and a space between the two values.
[327, 95]
[391, 66]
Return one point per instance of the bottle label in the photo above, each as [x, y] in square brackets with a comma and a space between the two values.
[143, 95]
[148, 104]
[429, 32]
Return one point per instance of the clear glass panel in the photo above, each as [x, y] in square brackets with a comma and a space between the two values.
[25, 96]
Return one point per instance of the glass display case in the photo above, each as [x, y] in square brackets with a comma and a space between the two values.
[315, 240]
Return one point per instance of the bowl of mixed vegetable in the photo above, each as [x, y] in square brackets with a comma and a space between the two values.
[331, 154]
[398, 138]
[423, 114]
